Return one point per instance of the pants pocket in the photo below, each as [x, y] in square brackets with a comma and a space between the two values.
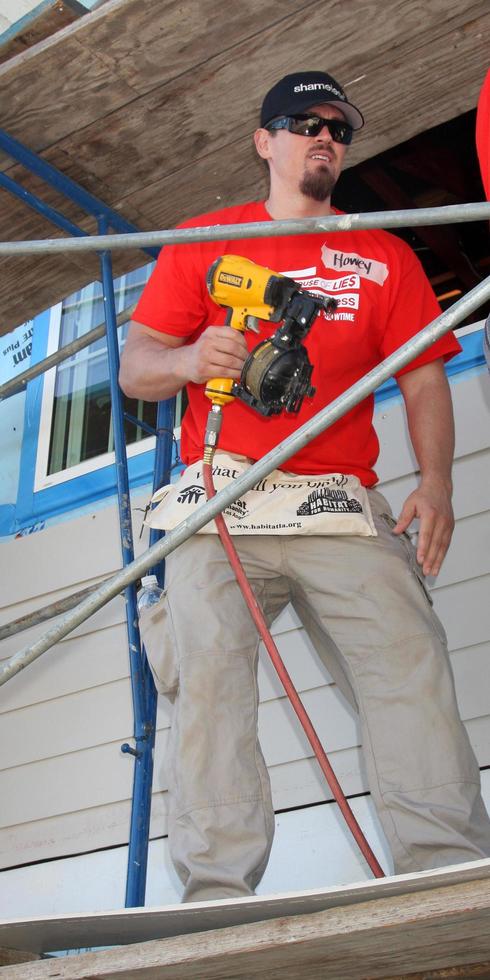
[158, 636]
[411, 554]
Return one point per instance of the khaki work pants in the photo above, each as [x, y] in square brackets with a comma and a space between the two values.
[369, 616]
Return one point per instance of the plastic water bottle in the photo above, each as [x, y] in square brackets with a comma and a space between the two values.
[150, 592]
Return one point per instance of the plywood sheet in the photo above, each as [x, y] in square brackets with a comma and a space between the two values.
[159, 99]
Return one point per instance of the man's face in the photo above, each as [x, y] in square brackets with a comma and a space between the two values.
[310, 163]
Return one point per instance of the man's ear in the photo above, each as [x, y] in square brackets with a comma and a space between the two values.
[262, 139]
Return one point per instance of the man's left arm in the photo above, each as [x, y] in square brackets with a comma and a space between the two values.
[428, 404]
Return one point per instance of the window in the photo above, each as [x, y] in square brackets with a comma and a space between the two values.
[76, 434]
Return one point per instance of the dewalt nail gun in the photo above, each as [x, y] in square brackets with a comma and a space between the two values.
[276, 375]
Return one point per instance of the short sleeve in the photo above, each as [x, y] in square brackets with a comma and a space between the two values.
[173, 300]
[413, 306]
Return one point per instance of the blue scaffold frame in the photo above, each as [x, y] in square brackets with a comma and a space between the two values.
[144, 697]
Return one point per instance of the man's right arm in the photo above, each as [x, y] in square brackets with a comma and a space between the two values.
[156, 365]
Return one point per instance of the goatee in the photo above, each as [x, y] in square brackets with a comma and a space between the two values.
[317, 185]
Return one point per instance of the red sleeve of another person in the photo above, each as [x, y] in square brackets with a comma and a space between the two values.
[483, 134]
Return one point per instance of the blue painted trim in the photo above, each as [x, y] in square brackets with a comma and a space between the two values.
[25, 504]
[77, 492]
[7, 519]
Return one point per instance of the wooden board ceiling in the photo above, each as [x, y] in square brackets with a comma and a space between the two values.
[151, 106]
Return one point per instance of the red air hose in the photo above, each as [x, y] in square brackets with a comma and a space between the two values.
[258, 618]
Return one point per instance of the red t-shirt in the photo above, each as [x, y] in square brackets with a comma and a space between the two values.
[383, 299]
[483, 134]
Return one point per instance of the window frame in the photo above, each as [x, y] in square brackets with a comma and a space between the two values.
[42, 479]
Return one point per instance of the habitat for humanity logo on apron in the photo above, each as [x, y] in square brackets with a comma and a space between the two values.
[282, 503]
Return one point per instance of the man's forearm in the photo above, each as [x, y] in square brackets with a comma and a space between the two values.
[430, 421]
[156, 366]
[150, 370]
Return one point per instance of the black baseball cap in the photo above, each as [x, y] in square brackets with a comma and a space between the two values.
[298, 92]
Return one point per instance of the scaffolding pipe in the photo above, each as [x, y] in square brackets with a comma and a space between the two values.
[44, 613]
[18, 383]
[143, 764]
[122, 484]
[262, 468]
[451, 214]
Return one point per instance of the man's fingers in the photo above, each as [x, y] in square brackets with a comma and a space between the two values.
[218, 353]
[432, 556]
[222, 365]
[435, 530]
[224, 338]
[405, 519]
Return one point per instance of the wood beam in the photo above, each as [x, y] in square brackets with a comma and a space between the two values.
[441, 928]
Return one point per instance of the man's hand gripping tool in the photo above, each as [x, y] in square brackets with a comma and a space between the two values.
[276, 374]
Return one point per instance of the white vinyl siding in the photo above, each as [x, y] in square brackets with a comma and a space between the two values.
[64, 783]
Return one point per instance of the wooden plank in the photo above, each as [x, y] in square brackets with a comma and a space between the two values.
[88, 84]
[10, 956]
[175, 37]
[437, 928]
[481, 970]
[142, 50]
[199, 95]
[126, 140]
[165, 182]
[212, 135]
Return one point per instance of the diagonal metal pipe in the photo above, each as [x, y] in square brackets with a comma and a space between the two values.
[296, 441]
[18, 383]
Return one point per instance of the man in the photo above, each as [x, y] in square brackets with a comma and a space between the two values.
[365, 594]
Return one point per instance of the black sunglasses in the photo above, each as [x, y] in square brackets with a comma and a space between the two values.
[303, 125]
